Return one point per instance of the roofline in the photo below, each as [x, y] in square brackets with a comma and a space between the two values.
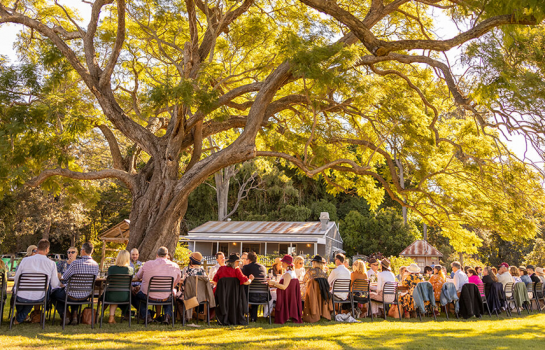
[330, 225]
[420, 255]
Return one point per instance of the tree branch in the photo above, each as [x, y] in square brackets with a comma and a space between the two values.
[93, 175]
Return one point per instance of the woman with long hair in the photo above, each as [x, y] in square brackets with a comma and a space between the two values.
[489, 277]
[514, 271]
[121, 267]
[437, 280]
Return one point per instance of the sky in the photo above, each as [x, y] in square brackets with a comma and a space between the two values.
[444, 29]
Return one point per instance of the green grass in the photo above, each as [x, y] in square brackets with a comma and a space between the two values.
[527, 331]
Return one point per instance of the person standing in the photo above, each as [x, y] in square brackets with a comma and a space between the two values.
[37, 263]
[85, 265]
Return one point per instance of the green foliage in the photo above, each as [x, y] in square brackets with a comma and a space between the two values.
[396, 262]
[382, 231]
[537, 256]
[294, 213]
[182, 253]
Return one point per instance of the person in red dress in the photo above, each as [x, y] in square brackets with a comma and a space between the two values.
[231, 269]
[288, 295]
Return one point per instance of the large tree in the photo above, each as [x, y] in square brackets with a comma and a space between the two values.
[328, 86]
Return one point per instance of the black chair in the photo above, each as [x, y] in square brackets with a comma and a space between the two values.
[539, 295]
[481, 288]
[510, 298]
[30, 282]
[159, 284]
[203, 283]
[81, 284]
[3, 295]
[390, 297]
[361, 294]
[341, 286]
[258, 288]
[116, 283]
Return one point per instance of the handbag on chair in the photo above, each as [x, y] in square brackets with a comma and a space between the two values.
[192, 302]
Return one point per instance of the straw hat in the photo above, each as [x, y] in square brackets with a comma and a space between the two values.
[195, 258]
[413, 268]
[30, 249]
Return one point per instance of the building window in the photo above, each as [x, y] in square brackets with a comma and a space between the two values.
[224, 248]
[283, 249]
[253, 247]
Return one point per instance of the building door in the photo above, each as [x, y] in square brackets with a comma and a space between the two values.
[224, 247]
[283, 249]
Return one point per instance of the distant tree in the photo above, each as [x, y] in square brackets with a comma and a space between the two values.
[382, 231]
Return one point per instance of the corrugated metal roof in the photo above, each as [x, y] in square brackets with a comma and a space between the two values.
[262, 227]
[421, 248]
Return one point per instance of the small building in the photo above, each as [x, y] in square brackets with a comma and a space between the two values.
[423, 253]
[266, 237]
[116, 234]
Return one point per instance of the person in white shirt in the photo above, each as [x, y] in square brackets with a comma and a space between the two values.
[299, 264]
[460, 278]
[373, 271]
[382, 277]
[220, 259]
[38, 263]
[339, 273]
[503, 275]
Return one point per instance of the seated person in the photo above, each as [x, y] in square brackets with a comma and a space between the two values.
[515, 273]
[62, 265]
[524, 277]
[316, 271]
[85, 265]
[460, 278]
[194, 268]
[260, 274]
[473, 277]
[411, 281]
[340, 272]
[121, 267]
[231, 269]
[220, 259]
[428, 272]
[299, 267]
[533, 276]
[437, 280]
[384, 276]
[489, 277]
[161, 266]
[288, 292]
[37, 263]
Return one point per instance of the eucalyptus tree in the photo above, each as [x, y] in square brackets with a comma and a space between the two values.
[324, 85]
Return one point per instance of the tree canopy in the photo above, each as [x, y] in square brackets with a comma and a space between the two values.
[359, 93]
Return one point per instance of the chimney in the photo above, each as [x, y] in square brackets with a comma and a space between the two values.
[324, 219]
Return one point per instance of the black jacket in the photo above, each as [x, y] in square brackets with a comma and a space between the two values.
[496, 297]
[231, 302]
[471, 303]
[259, 271]
[535, 278]
[324, 288]
[487, 280]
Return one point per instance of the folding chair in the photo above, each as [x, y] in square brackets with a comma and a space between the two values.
[539, 295]
[84, 284]
[159, 284]
[510, 298]
[361, 294]
[341, 286]
[116, 283]
[390, 297]
[202, 284]
[258, 288]
[531, 295]
[29, 282]
[483, 297]
[3, 294]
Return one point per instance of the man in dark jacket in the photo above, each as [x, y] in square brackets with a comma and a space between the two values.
[260, 273]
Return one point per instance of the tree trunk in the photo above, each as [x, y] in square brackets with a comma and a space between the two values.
[222, 179]
[154, 221]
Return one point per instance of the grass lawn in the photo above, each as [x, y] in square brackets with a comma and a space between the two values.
[526, 331]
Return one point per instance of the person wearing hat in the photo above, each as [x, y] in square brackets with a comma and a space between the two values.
[316, 271]
[384, 276]
[503, 275]
[373, 272]
[288, 294]
[194, 268]
[232, 269]
[410, 282]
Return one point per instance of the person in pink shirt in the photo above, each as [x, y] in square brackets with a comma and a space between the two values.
[161, 266]
[473, 277]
